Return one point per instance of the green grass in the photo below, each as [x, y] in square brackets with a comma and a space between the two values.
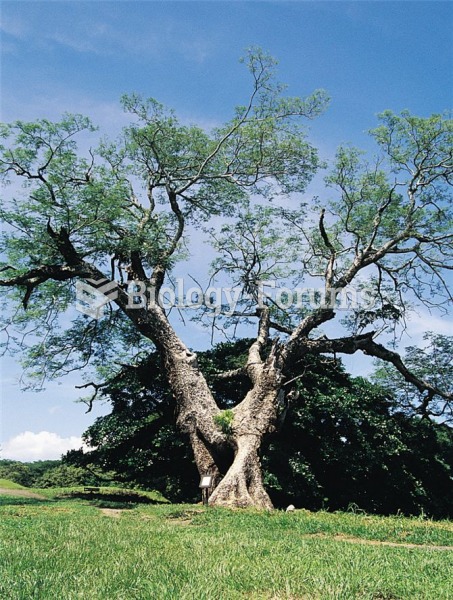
[10, 485]
[67, 549]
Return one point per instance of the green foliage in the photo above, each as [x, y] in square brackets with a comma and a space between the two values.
[224, 421]
[16, 471]
[433, 362]
[47, 474]
[124, 211]
[138, 440]
[418, 150]
[348, 443]
[416, 144]
[132, 200]
[65, 476]
[255, 250]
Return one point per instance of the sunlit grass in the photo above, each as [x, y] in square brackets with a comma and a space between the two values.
[153, 496]
[68, 549]
[10, 485]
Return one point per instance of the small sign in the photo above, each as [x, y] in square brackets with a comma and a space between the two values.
[206, 481]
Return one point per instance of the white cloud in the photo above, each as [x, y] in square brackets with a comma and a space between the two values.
[13, 26]
[419, 322]
[108, 39]
[29, 446]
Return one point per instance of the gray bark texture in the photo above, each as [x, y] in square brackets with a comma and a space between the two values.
[231, 458]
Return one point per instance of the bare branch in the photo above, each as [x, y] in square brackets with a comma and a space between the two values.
[255, 361]
[365, 343]
[328, 244]
[97, 387]
[231, 374]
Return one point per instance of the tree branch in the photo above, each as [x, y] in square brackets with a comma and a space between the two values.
[97, 387]
[298, 337]
[255, 361]
[231, 374]
[333, 254]
[365, 343]
[33, 278]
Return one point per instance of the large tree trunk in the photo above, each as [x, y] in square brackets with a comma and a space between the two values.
[254, 418]
[242, 486]
[231, 458]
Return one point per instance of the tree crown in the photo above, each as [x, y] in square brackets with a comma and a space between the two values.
[125, 211]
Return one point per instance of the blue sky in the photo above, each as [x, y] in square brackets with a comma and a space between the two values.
[81, 56]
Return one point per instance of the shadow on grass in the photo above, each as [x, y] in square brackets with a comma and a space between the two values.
[113, 499]
[21, 500]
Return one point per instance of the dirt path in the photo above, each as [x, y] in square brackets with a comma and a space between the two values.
[112, 512]
[355, 540]
[22, 493]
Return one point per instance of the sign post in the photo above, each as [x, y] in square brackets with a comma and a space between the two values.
[205, 484]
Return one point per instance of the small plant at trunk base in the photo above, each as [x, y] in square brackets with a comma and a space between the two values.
[224, 421]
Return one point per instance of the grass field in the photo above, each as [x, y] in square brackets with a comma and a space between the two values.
[74, 548]
[10, 485]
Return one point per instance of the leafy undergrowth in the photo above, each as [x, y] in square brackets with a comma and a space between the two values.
[67, 548]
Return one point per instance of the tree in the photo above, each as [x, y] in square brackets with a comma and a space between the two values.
[347, 444]
[122, 216]
[65, 476]
[138, 441]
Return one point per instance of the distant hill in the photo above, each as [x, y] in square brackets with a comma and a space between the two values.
[10, 485]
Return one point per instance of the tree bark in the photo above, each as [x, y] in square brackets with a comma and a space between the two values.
[243, 486]
[254, 418]
[231, 458]
[234, 456]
